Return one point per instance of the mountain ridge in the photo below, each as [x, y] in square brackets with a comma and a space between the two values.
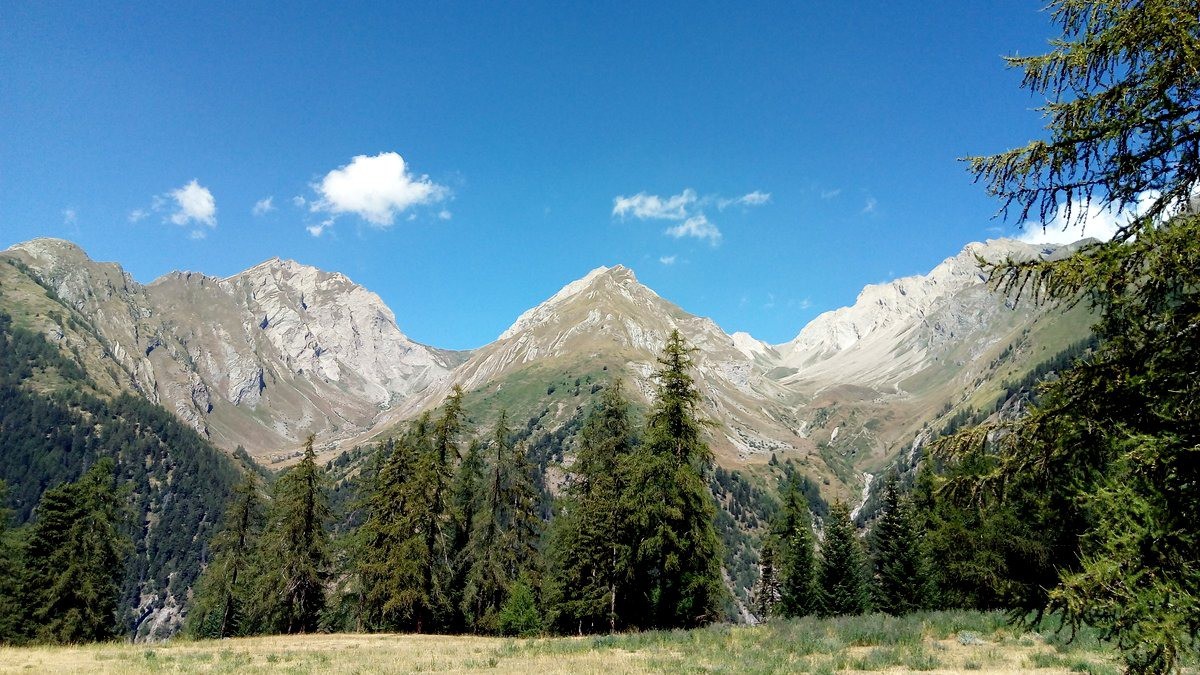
[262, 357]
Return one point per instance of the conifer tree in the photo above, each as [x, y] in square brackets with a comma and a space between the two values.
[902, 580]
[394, 557]
[675, 572]
[75, 560]
[1112, 443]
[504, 537]
[436, 521]
[466, 501]
[223, 590]
[296, 549]
[843, 577]
[590, 542]
[765, 600]
[793, 537]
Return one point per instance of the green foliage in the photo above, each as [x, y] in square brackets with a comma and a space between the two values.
[503, 544]
[223, 592]
[902, 580]
[74, 561]
[792, 535]
[404, 546]
[1114, 438]
[519, 616]
[590, 543]
[10, 565]
[676, 578]
[842, 576]
[765, 597]
[294, 555]
[176, 479]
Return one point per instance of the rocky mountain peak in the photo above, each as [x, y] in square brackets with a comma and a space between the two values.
[50, 248]
[591, 289]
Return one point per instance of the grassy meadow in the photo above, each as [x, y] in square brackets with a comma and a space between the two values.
[935, 642]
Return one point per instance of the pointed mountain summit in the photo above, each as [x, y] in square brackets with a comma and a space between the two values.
[606, 326]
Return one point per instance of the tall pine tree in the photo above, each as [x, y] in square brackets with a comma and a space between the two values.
[765, 599]
[843, 577]
[793, 539]
[223, 590]
[504, 536]
[1114, 437]
[295, 546]
[75, 560]
[465, 502]
[591, 542]
[675, 571]
[902, 579]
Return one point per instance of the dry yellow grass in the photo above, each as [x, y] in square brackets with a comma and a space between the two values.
[933, 644]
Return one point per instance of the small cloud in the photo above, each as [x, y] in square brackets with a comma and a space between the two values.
[196, 235]
[770, 303]
[299, 201]
[263, 206]
[445, 214]
[70, 217]
[320, 228]
[667, 259]
[870, 206]
[830, 194]
[138, 214]
[755, 198]
[1080, 220]
[697, 226]
[375, 188]
[646, 207]
[804, 304]
[195, 204]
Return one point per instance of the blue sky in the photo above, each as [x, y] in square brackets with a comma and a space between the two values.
[756, 163]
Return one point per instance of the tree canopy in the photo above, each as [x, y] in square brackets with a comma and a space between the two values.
[1114, 438]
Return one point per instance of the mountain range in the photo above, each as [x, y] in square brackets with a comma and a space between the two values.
[262, 358]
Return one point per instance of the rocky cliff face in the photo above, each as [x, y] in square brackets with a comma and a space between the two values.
[896, 330]
[259, 359]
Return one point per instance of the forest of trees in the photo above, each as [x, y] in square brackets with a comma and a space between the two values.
[171, 484]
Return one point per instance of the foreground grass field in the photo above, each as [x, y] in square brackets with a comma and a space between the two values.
[946, 642]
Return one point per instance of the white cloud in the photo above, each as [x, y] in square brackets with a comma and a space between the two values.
[667, 259]
[830, 194]
[770, 303]
[70, 217]
[195, 204]
[195, 235]
[756, 198]
[445, 214]
[697, 226]
[1097, 223]
[686, 207]
[375, 188]
[645, 207]
[263, 206]
[320, 228]
[137, 214]
[870, 205]
[299, 201]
